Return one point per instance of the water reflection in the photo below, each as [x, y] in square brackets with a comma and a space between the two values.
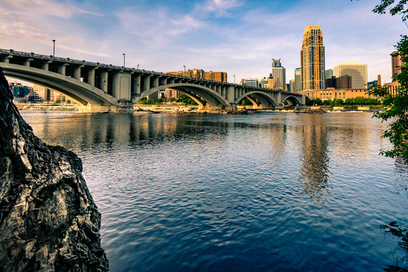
[315, 171]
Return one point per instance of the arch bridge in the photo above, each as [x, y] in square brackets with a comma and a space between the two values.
[105, 87]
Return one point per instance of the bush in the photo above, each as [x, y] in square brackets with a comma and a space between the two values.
[317, 101]
[349, 101]
[359, 100]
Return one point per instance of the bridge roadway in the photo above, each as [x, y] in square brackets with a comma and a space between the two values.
[108, 88]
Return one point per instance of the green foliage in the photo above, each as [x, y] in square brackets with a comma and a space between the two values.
[69, 101]
[57, 101]
[186, 100]
[245, 101]
[317, 101]
[359, 100]
[146, 101]
[338, 102]
[399, 8]
[328, 102]
[63, 100]
[349, 101]
[396, 108]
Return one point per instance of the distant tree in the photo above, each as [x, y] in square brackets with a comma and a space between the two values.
[186, 100]
[338, 102]
[63, 100]
[328, 102]
[317, 101]
[69, 101]
[360, 100]
[57, 101]
[349, 101]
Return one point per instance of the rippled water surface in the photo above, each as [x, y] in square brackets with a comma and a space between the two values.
[263, 192]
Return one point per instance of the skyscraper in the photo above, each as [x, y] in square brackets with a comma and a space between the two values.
[279, 74]
[312, 59]
[396, 63]
[358, 73]
[298, 86]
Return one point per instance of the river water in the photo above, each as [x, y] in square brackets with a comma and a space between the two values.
[264, 192]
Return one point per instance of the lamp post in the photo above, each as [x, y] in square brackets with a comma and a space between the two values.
[184, 74]
[124, 57]
[53, 48]
[137, 67]
[234, 78]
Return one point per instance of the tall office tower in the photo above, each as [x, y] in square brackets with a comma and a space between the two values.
[279, 74]
[358, 73]
[329, 73]
[298, 83]
[312, 59]
[396, 63]
[292, 85]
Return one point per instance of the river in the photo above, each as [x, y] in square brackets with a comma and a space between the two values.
[270, 191]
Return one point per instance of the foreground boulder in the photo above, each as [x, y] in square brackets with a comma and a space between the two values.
[48, 219]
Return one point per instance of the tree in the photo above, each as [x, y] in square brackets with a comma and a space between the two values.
[317, 101]
[338, 102]
[349, 101]
[396, 107]
[186, 100]
[359, 100]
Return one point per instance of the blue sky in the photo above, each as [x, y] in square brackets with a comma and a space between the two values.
[239, 37]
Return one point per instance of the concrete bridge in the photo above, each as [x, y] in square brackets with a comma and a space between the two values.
[105, 87]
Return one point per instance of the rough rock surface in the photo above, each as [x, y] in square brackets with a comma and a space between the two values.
[48, 219]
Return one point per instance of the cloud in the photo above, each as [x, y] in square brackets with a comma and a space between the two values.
[157, 27]
[220, 6]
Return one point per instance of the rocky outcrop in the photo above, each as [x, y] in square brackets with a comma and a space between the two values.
[48, 219]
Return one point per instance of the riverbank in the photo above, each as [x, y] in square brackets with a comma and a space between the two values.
[141, 108]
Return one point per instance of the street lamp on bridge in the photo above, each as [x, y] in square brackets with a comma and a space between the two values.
[137, 67]
[53, 48]
[124, 56]
[184, 74]
[234, 78]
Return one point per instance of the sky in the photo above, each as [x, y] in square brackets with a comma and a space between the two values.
[240, 37]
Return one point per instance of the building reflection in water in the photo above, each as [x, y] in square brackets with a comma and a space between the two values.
[315, 173]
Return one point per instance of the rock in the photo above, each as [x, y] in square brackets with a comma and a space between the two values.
[48, 219]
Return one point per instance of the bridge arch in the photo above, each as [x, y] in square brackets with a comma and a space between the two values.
[259, 99]
[204, 96]
[291, 100]
[83, 92]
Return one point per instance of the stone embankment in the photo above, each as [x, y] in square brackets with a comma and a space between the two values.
[48, 219]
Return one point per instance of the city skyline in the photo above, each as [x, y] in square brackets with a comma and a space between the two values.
[238, 37]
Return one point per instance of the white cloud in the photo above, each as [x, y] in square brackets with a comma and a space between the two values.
[157, 28]
[220, 6]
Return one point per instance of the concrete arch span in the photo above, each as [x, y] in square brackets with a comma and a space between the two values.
[291, 101]
[259, 100]
[205, 97]
[83, 92]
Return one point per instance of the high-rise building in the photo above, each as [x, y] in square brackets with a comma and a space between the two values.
[329, 73]
[396, 63]
[279, 74]
[358, 73]
[250, 82]
[298, 81]
[312, 59]
[292, 85]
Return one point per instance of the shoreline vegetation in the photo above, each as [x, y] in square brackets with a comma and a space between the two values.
[181, 108]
